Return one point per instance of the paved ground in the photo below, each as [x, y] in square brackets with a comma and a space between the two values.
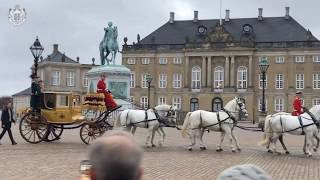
[60, 160]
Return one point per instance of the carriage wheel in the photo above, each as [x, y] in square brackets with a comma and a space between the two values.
[33, 128]
[89, 132]
[55, 131]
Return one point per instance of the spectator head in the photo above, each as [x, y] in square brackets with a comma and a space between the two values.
[244, 172]
[116, 156]
[103, 76]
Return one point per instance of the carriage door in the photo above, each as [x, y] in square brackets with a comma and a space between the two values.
[217, 104]
[194, 104]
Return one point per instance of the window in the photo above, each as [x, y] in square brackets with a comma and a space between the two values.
[144, 102]
[299, 81]
[55, 78]
[177, 60]
[145, 60]
[315, 101]
[162, 60]
[131, 99]
[261, 81]
[218, 77]
[162, 100]
[279, 81]
[196, 78]
[176, 102]
[144, 83]
[217, 104]
[279, 60]
[131, 61]
[85, 80]
[162, 80]
[316, 59]
[316, 80]
[242, 77]
[299, 59]
[260, 104]
[177, 80]
[279, 105]
[132, 80]
[63, 100]
[70, 78]
[194, 104]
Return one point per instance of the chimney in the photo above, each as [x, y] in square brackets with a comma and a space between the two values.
[227, 19]
[78, 59]
[195, 16]
[171, 18]
[287, 13]
[55, 48]
[260, 14]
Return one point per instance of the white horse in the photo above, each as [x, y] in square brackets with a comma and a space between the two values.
[280, 123]
[222, 121]
[149, 119]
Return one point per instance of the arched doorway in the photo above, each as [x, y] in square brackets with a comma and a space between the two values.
[217, 104]
[194, 104]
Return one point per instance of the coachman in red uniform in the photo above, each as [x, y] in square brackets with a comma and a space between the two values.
[108, 99]
[297, 104]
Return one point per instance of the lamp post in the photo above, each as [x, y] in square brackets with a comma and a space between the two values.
[149, 80]
[263, 65]
[36, 50]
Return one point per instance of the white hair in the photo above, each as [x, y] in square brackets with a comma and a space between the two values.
[244, 172]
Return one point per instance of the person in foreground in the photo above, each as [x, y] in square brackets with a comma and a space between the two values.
[116, 156]
[6, 121]
[244, 172]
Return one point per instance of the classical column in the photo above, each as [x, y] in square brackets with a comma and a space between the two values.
[232, 72]
[186, 72]
[204, 72]
[250, 71]
[226, 72]
[209, 74]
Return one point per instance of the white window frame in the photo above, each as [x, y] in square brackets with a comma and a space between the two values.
[145, 60]
[279, 105]
[300, 81]
[299, 59]
[162, 100]
[316, 58]
[85, 80]
[132, 80]
[242, 77]
[163, 60]
[279, 82]
[218, 79]
[316, 80]
[55, 78]
[260, 81]
[177, 102]
[279, 59]
[144, 83]
[131, 60]
[163, 80]
[315, 101]
[144, 102]
[177, 78]
[177, 60]
[260, 103]
[196, 77]
[71, 78]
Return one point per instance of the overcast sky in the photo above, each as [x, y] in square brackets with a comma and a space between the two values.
[77, 26]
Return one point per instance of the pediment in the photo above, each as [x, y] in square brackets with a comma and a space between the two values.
[219, 34]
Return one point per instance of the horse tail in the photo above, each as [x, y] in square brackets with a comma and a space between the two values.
[186, 124]
[267, 132]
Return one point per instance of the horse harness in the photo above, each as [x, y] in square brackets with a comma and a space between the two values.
[219, 120]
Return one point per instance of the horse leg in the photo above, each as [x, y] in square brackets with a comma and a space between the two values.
[202, 145]
[133, 130]
[228, 131]
[152, 136]
[305, 145]
[316, 136]
[309, 141]
[235, 140]
[283, 145]
[193, 140]
[221, 140]
[150, 130]
[274, 142]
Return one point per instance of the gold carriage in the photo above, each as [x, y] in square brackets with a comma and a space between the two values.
[64, 110]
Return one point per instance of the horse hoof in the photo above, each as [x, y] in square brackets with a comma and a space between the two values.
[239, 149]
[190, 149]
[154, 145]
[287, 152]
[203, 148]
[219, 150]
[309, 155]
[269, 151]
[233, 150]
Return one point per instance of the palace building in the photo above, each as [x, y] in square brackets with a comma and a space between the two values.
[202, 64]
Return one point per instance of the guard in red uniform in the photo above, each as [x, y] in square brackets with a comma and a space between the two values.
[297, 104]
[108, 99]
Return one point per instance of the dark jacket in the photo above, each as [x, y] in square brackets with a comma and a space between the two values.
[6, 122]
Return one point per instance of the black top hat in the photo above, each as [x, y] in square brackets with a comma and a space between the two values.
[33, 76]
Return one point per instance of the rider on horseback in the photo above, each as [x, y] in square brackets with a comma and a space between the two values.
[297, 104]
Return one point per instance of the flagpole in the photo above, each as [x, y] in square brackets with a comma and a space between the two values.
[220, 12]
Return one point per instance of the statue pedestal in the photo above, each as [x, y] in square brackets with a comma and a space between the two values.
[118, 82]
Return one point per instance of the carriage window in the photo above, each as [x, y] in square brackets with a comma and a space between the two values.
[48, 101]
[194, 104]
[217, 104]
[63, 100]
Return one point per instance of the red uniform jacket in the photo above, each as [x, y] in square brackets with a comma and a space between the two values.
[108, 99]
[297, 107]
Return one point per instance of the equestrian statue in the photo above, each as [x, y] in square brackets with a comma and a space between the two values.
[109, 44]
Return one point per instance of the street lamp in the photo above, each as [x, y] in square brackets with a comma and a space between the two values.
[36, 50]
[149, 79]
[263, 65]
